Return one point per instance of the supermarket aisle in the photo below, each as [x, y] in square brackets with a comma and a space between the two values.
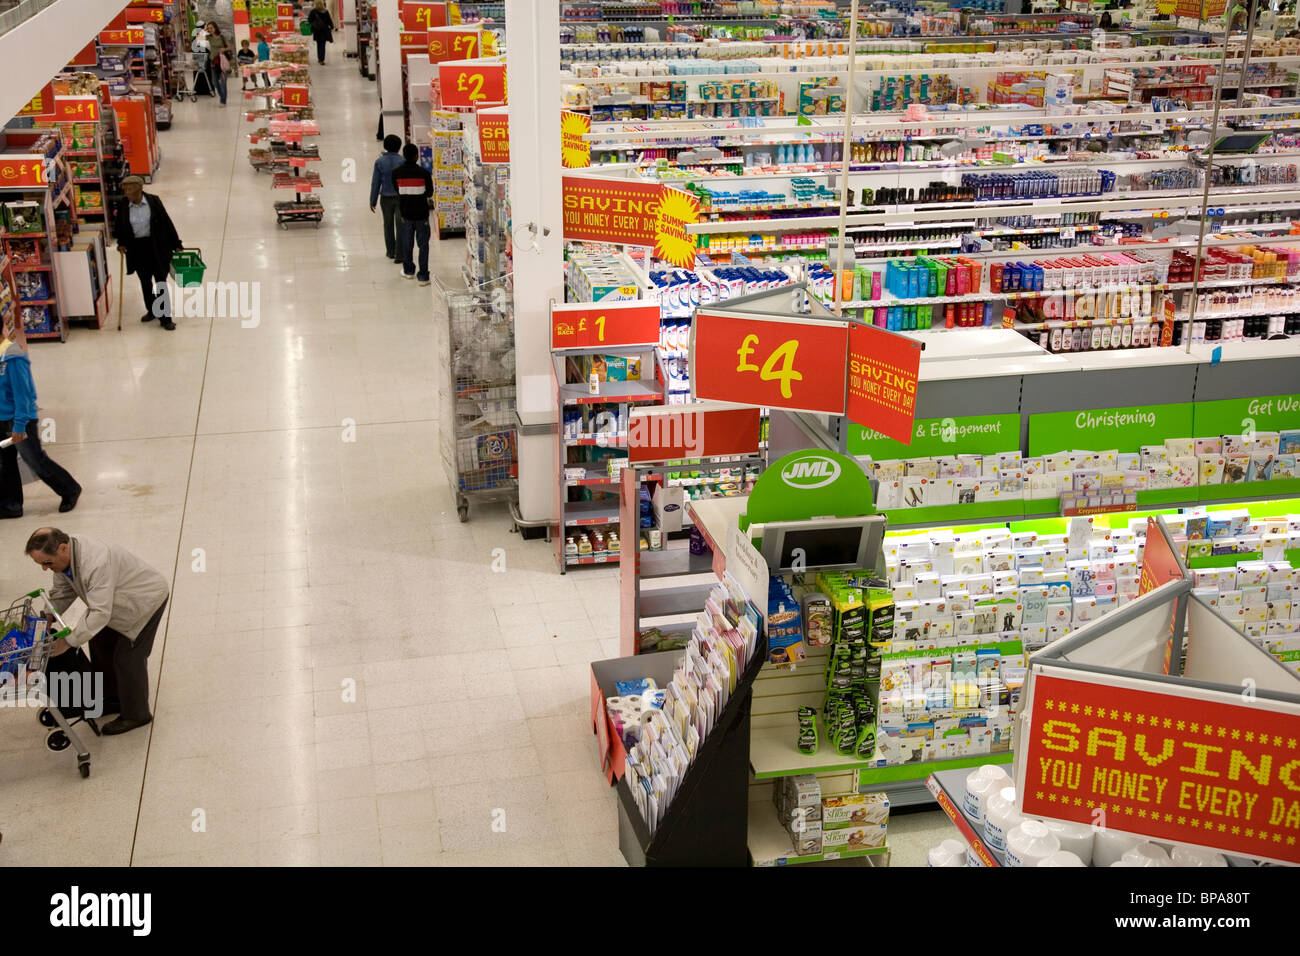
[343, 680]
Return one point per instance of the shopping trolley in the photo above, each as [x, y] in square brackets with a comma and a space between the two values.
[188, 68]
[28, 636]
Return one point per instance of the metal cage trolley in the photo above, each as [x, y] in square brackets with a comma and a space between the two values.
[476, 391]
[25, 647]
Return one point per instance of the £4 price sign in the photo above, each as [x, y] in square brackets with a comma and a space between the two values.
[778, 363]
[471, 82]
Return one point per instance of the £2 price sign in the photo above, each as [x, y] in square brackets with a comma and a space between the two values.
[1207, 770]
[469, 83]
[883, 368]
[796, 364]
[615, 325]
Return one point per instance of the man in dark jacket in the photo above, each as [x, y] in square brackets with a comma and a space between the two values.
[383, 191]
[145, 232]
[414, 188]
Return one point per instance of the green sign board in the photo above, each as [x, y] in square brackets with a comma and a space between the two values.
[1124, 429]
[809, 484]
[1235, 416]
[934, 437]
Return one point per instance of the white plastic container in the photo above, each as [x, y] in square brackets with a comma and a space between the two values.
[1146, 854]
[1074, 837]
[1109, 845]
[1062, 858]
[1000, 816]
[1029, 843]
[1196, 856]
[981, 783]
[946, 854]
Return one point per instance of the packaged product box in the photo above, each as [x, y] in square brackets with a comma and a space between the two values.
[855, 809]
[861, 837]
[668, 505]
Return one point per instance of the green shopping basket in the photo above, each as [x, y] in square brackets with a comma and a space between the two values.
[188, 267]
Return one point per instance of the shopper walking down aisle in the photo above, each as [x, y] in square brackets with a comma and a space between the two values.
[125, 599]
[218, 59]
[414, 186]
[322, 28]
[383, 191]
[18, 419]
[145, 231]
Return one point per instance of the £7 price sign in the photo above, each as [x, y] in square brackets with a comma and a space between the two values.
[456, 43]
[790, 363]
[471, 82]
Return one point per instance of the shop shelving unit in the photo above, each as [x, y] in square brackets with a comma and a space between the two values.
[298, 177]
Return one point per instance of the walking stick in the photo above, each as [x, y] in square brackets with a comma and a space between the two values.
[121, 283]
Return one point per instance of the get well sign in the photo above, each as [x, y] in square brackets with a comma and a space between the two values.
[1211, 770]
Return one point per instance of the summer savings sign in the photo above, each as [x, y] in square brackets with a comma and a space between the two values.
[1200, 768]
[631, 213]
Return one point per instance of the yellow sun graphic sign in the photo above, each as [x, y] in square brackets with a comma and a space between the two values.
[673, 244]
[575, 152]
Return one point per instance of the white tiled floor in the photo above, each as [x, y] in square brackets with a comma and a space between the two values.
[342, 680]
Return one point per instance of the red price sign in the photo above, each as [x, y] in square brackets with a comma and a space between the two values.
[130, 37]
[145, 15]
[883, 368]
[82, 109]
[42, 104]
[295, 96]
[777, 363]
[454, 43]
[419, 17]
[22, 171]
[469, 83]
[616, 325]
[410, 41]
[674, 432]
[1196, 766]
[494, 136]
[87, 56]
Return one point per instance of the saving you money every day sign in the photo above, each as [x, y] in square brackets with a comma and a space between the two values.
[1185, 769]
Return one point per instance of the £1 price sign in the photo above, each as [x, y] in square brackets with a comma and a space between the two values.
[791, 363]
[615, 325]
[471, 82]
[81, 109]
[22, 171]
[419, 17]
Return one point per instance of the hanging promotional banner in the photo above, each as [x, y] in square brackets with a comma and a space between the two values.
[673, 243]
[494, 134]
[1160, 564]
[883, 368]
[133, 36]
[604, 209]
[81, 109]
[677, 432]
[87, 57]
[468, 83]
[792, 363]
[143, 14]
[1198, 767]
[21, 171]
[418, 17]
[586, 325]
[575, 151]
[459, 43]
[40, 106]
[932, 437]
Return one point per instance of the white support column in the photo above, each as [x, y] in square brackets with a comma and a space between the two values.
[533, 77]
[387, 30]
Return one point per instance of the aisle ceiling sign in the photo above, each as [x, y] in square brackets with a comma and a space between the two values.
[630, 212]
[459, 43]
[40, 106]
[792, 363]
[470, 83]
[882, 373]
[588, 325]
[419, 17]
[494, 134]
[1182, 765]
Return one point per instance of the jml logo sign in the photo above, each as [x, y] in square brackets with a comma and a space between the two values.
[814, 471]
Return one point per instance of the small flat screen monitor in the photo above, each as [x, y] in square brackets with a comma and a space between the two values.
[823, 544]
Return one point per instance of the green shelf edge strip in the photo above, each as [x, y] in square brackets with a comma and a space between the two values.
[819, 857]
[1250, 489]
[907, 771]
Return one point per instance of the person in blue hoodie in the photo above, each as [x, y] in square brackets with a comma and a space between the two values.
[18, 420]
[383, 191]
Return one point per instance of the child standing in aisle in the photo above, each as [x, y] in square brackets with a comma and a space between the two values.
[263, 48]
[246, 57]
